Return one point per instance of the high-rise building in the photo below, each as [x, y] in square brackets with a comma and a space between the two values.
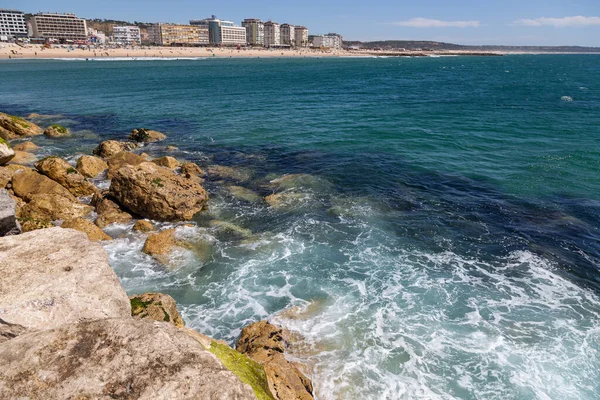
[255, 31]
[288, 35]
[301, 34]
[126, 35]
[203, 31]
[173, 35]
[272, 34]
[62, 27]
[12, 25]
[330, 41]
[221, 32]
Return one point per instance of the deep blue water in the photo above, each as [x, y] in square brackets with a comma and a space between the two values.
[446, 244]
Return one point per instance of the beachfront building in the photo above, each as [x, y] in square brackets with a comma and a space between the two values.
[96, 36]
[329, 41]
[272, 34]
[127, 35]
[301, 33]
[203, 31]
[175, 35]
[61, 27]
[288, 35]
[12, 25]
[222, 33]
[255, 31]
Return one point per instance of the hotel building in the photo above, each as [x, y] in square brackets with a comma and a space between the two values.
[255, 31]
[301, 34]
[330, 41]
[175, 35]
[12, 25]
[288, 35]
[272, 34]
[126, 35]
[62, 27]
[224, 33]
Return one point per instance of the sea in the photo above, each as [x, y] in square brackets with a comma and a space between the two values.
[442, 240]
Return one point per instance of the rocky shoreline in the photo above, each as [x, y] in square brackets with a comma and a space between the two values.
[67, 328]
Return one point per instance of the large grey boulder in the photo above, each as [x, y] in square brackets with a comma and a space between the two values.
[9, 225]
[53, 277]
[115, 359]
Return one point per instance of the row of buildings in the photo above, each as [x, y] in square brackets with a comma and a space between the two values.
[68, 28]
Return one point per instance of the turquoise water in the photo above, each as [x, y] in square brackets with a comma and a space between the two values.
[446, 244]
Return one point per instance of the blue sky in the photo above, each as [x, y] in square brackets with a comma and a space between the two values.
[511, 22]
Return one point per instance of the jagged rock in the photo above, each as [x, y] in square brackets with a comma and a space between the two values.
[121, 159]
[167, 162]
[265, 343]
[56, 131]
[12, 127]
[143, 226]
[146, 135]
[23, 157]
[62, 172]
[109, 212]
[157, 193]
[156, 306]
[241, 193]
[9, 225]
[90, 166]
[28, 183]
[26, 146]
[6, 153]
[115, 359]
[92, 231]
[285, 200]
[226, 230]
[52, 207]
[52, 277]
[230, 173]
[111, 148]
[10, 331]
[192, 171]
[146, 156]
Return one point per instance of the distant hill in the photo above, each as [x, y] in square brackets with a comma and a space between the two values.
[430, 45]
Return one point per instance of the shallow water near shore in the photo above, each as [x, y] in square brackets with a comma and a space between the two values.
[442, 243]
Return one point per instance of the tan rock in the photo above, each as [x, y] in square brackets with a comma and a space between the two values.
[10, 331]
[26, 146]
[156, 306]
[160, 245]
[157, 193]
[23, 157]
[57, 131]
[111, 148]
[5, 177]
[52, 277]
[192, 171]
[146, 156]
[167, 162]
[109, 212]
[172, 148]
[226, 230]
[143, 226]
[120, 160]
[119, 358]
[52, 207]
[92, 231]
[265, 343]
[12, 127]
[90, 166]
[288, 199]
[146, 135]
[241, 193]
[230, 173]
[62, 172]
[28, 183]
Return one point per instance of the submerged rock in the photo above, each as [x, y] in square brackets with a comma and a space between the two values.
[93, 232]
[238, 174]
[156, 306]
[120, 358]
[146, 135]
[90, 166]
[62, 172]
[143, 225]
[160, 245]
[241, 193]
[287, 200]
[157, 193]
[28, 183]
[121, 159]
[12, 127]
[26, 146]
[56, 131]
[167, 162]
[6, 153]
[265, 343]
[227, 230]
[111, 148]
[9, 225]
[53, 277]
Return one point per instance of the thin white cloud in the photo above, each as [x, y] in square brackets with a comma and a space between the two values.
[436, 23]
[560, 22]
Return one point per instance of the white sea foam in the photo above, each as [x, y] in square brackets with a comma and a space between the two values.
[128, 58]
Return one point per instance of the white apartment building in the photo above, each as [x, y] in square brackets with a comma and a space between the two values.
[272, 34]
[301, 34]
[220, 32]
[63, 27]
[255, 31]
[127, 35]
[330, 41]
[288, 35]
[12, 25]
[96, 36]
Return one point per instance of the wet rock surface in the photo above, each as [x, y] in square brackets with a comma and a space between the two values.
[111, 148]
[146, 135]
